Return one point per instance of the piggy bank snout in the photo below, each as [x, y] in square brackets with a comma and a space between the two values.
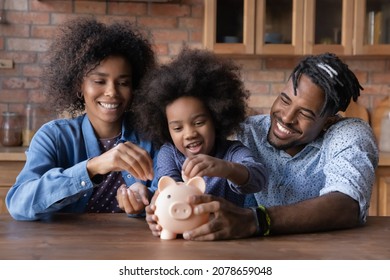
[180, 210]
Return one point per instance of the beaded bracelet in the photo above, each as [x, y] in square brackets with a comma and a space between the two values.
[263, 221]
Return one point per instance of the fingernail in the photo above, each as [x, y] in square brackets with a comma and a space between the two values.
[196, 210]
[186, 235]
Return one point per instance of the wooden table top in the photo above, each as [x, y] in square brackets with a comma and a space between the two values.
[116, 236]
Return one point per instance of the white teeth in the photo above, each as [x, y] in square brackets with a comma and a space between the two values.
[193, 145]
[282, 129]
[109, 105]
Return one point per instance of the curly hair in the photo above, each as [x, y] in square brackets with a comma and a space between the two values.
[80, 45]
[196, 73]
[338, 82]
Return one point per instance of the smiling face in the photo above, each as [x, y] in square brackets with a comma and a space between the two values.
[295, 119]
[107, 92]
[190, 126]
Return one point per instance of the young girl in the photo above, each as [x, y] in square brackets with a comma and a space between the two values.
[190, 107]
[84, 164]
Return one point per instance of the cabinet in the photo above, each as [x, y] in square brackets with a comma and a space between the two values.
[380, 198]
[372, 27]
[297, 27]
[229, 27]
[11, 162]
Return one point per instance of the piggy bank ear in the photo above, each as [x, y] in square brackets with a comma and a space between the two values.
[164, 182]
[197, 182]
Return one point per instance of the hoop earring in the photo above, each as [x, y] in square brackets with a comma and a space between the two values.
[80, 95]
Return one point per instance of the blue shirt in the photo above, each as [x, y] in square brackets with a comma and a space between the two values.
[55, 176]
[170, 162]
[343, 160]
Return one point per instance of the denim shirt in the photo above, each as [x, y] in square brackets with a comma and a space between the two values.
[55, 176]
[343, 159]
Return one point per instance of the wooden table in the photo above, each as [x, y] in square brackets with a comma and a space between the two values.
[115, 236]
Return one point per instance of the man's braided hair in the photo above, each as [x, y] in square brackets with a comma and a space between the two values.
[333, 76]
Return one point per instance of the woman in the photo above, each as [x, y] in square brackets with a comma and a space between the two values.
[84, 164]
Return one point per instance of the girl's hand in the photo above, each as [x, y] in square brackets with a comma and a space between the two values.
[203, 165]
[151, 219]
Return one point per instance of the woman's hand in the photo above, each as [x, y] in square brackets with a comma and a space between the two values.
[133, 199]
[125, 156]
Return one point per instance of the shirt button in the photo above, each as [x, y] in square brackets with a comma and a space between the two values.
[83, 183]
[128, 176]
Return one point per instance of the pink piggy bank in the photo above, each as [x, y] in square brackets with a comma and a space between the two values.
[175, 214]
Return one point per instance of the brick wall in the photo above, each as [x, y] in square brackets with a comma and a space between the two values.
[30, 24]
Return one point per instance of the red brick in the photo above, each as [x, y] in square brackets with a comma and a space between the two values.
[173, 10]
[90, 8]
[269, 76]
[170, 35]
[158, 22]
[288, 63]
[191, 23]
[32, 71]
[37, 97]
[43, 31]
[249, 64]
[21, 83]
[13, 96]
[197, 11]
[366, 64]
[22, 57]
[59, 18]
[131, 9]
[376, 90]
[361, 76]
[261, 101]
[192, 2]
[51, 6]
[19, 5]
[380, 78]
[112, 18]
[197, 36]
[27, 18]
[258, 88]
[15, 30]
[37, 45]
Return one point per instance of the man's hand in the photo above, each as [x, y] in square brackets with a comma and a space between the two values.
[226, 220]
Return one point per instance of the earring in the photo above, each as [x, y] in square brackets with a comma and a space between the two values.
[80, 95]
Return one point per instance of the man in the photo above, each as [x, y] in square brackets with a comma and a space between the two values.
[321, 166]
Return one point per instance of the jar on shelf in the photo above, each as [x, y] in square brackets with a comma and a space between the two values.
[36, 116]
[384, 141]
[11, 129]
